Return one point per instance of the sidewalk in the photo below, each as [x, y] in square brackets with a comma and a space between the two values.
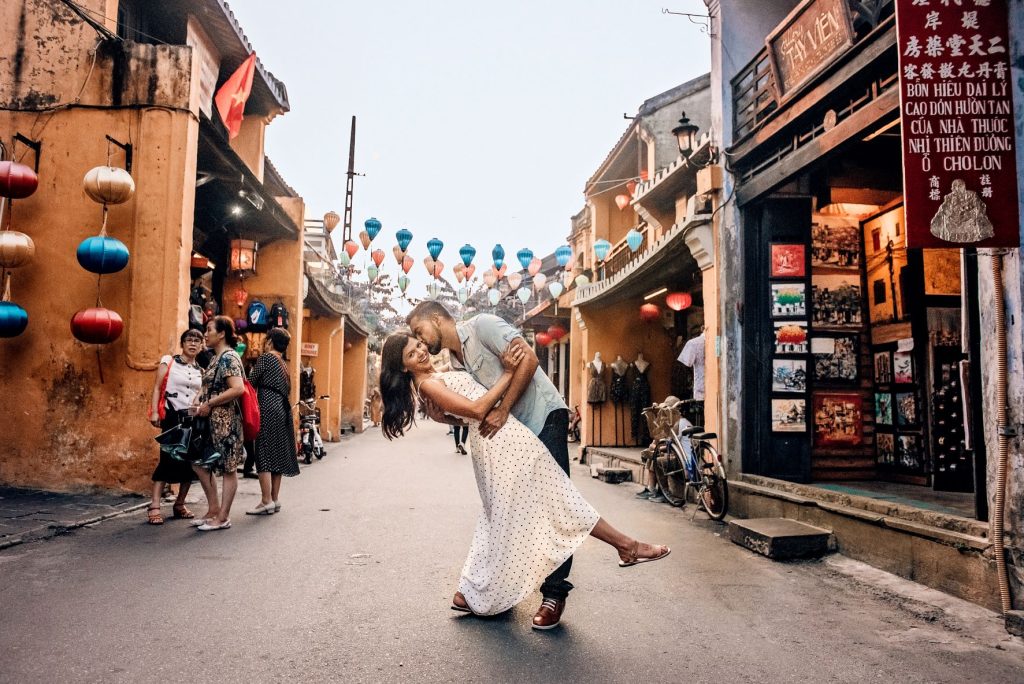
[30, 514]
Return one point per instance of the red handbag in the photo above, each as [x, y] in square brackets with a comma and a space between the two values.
[250, 407]
[161, 408]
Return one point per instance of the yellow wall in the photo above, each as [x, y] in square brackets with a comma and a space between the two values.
[328, 333]
[353, 391]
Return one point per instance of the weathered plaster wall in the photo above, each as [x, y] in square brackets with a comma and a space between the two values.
[353, 390]
[328, 333]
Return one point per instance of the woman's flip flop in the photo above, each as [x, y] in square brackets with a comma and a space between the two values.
[463, 608]
[633, 559]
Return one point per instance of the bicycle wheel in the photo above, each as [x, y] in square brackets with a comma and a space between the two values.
[668, 470]
[714, 490]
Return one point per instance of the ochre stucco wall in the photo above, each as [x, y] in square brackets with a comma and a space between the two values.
[353, 391]
[328, 366]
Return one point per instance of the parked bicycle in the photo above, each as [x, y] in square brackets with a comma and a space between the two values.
[310, 442]
[574, 425]
[685, 459]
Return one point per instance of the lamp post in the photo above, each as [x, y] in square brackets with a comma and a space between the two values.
[686, 135]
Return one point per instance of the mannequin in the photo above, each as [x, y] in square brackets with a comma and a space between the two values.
[619, 390]
[597, 393]
[641, 363]
[639, 399]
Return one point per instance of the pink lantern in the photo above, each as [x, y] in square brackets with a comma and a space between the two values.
[631, 188]
[543, 338]
[378, 257]
[500, 272]
[557, 332]
[459, 269]
[677, 301]
[399, 254]
[490, 278]
[407, 263]
[649, 312]
[622, 201]
[469, 271]
[534, 267]
[364, 239]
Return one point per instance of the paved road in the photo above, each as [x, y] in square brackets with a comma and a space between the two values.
[351, 582]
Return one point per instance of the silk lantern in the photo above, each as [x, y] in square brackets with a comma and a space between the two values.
[108, 185]
[331, 221]
[514, 280]
[601, 248]
[498, 255]
[634, 238]
[524, 294]
[240, 297]
[534, 266]
[407, 263]
[434, 289]
[493, 296]
[434, 246]
[241, 257]
[649, 312]
[555, 288]
[344, 260]
[581, 280]
[351, 248]
[463, 295]
[403, 237]
[525, 256]
[397, 251]
[557, 332]
[372, 226]
[430, 265]
[378, 257]
[500, 272]
[403, 283]
[677, 301]
[459, 270]
[17, 181]
[372, 272]
[490, 278]
[102, 254]
[96, 325]
[539, 281]
[469, 271]
[622, 201]
[16, 249]
[563, 254]
[631, 188]
[542, 338]
[467, 252]
[13, 318]
[364, 239]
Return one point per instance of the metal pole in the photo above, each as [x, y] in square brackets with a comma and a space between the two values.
[350, 183]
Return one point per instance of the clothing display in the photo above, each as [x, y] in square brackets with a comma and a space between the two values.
[275, 445]
[693, 357]
[597, 392]
[639, 399]
[619, 391]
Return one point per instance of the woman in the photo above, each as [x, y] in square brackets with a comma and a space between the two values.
[275, 446]
[222, 387]
[178, 380]
[533, 517]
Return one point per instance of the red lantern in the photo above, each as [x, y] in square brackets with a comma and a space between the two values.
[17, 181]
[351, 248]
[677, 301]
[631, 188]
[240, 296]
[649, 312]
[543, 339]
[557, 332]
[96, 325]
[622, 201]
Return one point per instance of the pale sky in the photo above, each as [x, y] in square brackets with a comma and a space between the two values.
[478, 122]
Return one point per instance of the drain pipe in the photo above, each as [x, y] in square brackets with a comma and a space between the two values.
[1003, 431]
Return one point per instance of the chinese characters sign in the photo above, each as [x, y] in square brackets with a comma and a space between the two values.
[959, 165]
[808, 40]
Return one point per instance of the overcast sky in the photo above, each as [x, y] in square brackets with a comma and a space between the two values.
[477, 122]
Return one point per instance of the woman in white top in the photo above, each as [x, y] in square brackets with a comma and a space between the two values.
[178, 380]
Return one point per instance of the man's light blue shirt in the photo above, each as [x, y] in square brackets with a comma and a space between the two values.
[484, 338]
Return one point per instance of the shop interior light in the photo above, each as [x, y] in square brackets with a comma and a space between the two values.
[236, 210]
[652, 295]
[252, 198]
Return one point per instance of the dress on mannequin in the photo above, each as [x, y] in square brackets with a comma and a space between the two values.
[639, 399]
[597, 392]
[619, 389]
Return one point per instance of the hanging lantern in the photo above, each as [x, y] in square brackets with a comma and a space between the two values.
[331, 220]
[500, 272]
[634, 238]
[378, 257]
[434, 289]
[403, 237]
[351, 248]
[344, 260]
[498, 256]
[372, 272]
[364, 239]
[631, 188]
[403, 283]
[240, 297]
[524, 294]
[469, 271]
[407, 263]
[467, 252]
[17, 181]
[557, 332]
[539, 281]
[96, 325]
[459, 270]
[649, 312]
[490, 278]
[108, 185]
[430, 265]
[16, 249]
[581, 280]
[13, 318]
[534, 266]
[372, 226]
[677, 301]
[514, 280]
[397, 251]
[601, 248]
[566, 279]
[242, 259]
[104, 254]
[555, 288]
[463, 295]
[542, 338]
[525, 256]
[563, 254]
[493, 296]
[434, 246]
[622, 201]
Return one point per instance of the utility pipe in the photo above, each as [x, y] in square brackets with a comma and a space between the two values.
[1002, 429]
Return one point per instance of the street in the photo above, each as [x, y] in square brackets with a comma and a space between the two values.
[352, 580]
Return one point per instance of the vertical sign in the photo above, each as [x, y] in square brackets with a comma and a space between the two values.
[956, 110]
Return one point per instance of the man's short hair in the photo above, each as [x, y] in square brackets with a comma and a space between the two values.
[426, 309]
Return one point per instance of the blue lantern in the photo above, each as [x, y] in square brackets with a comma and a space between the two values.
[601, 248]
[434, 246]
[467, 252]
[498, 255]
[372, 226]
[525, 256]
[13, 319]
[634, 238]
[102, 254]
[404, 237]
[563, 254]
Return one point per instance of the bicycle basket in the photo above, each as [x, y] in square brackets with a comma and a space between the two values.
[661, 420]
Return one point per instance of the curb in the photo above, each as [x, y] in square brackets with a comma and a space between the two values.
[55, 529]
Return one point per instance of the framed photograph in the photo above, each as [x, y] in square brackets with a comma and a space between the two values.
[789, 375]
[908, 451]
[788, 261]
[789, 415]
[885, 448]
[883, 368]
[789, 299]
[903, 367]
[906, 409]
[835, 242]
[836, 301]
[838, 419]
[791, 337]
[883, 409]
[836, 358]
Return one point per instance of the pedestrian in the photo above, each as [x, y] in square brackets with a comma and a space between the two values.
[218, 401]
[178, 381]
[275, 445]
[376, 406]
[533, 517]
[461, 433]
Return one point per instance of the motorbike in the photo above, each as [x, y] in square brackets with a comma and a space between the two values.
[310, 443]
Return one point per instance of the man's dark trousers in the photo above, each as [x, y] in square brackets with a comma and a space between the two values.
[555, 437]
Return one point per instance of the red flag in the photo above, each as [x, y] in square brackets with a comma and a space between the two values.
[232, 95]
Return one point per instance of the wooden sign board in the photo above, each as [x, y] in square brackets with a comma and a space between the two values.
[310, 349]
[807, 41]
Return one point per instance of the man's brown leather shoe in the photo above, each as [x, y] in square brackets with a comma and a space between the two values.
[549, 614]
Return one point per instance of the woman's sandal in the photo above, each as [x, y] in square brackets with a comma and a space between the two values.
[633, 558]
[182, 513]
[459, 603]
[153, 513]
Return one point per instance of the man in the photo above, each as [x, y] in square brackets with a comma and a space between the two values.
[476, 346]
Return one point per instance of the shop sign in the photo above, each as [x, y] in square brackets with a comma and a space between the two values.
[807, 41]
[956, 111]
[310, 349]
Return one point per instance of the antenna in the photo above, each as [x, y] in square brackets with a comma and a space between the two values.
[350, 184]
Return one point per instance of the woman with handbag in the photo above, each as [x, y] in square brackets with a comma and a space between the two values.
[275, 446]
[223, 386]
[178, 380]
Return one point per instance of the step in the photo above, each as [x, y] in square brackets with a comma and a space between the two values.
[781, 538]
[611, 475]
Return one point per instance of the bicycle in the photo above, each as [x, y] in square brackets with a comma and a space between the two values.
[679, 467]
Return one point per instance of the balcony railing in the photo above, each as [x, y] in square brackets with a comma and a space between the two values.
[621, 255]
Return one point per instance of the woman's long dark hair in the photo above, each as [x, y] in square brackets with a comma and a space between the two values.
[396, 388]
[225, 325]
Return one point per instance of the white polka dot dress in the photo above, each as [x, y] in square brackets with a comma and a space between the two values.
[533, 517]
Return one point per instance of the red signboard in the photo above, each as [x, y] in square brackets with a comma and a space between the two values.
[959, 163]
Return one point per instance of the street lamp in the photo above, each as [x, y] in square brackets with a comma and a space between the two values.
[686, 135]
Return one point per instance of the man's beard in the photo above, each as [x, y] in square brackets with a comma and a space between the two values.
[435, 348]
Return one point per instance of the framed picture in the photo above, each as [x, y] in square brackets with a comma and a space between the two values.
[791, 337]
[885, 448]
[836, 358]
[906, 409]
[789, 299]
[788, 261]
[838, 419]
[883, 409]
[903, 367]
[789, 415]
[908, 451]
[835, 242]
[883, 368]
[836, 300]
[789, 375]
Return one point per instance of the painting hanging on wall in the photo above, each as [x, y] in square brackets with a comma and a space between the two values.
[791, 337]
[906, 408]
[789, 375]
[883, 368]
[835, 242]
[789, 299]
[835, 301]
[885, 448]
[908, 451]
[903, 367]
[788, 261]
[883, 408]
[789, 415]
[838, 419]
[835, 358]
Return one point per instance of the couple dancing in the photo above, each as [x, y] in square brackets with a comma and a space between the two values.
[533, 517]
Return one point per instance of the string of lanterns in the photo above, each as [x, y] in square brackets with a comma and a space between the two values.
[17, 181]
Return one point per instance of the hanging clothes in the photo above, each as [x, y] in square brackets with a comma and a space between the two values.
[620, 388]
[639, 399]
[597, 392]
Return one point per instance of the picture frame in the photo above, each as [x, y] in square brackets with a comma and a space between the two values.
[903, 368]
[791, 337]
[906, 409]
[883, 408]
[835, 242]
[788, 260]
[883, 367]
[789, 415]
[789, 375]
[788, 300]
[836, 358]
[838, 419]
[836, 300]
[885, 448]
[908, 452]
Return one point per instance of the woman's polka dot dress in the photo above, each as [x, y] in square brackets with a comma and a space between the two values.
[533, 517]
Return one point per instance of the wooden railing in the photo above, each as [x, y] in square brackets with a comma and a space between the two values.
[620, 254]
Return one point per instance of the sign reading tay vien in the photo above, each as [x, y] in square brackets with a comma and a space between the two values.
[956, 111]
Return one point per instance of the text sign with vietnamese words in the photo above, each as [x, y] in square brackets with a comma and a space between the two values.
[807, 41]
[956, 111]
[310, 349]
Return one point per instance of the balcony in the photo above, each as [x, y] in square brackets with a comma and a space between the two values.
[621, 255]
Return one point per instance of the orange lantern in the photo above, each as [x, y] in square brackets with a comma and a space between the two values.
[543, 339]
[649, 312]
[407, 263]
[469, 271]
[677, 301]
[331, 220]
[622, 201]
[378, 257]
[351, 248]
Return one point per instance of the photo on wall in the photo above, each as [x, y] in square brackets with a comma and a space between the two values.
[788, 261]
[885, 448]
[791, 337]
[836, 301]
[835, 358]
[908, 451]
[789, 415]
[789, 375]
[883, 368]
[906, 409]
[789, 299]
[883, 409]
[903, 367]
[835, 242]
[838, 419]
